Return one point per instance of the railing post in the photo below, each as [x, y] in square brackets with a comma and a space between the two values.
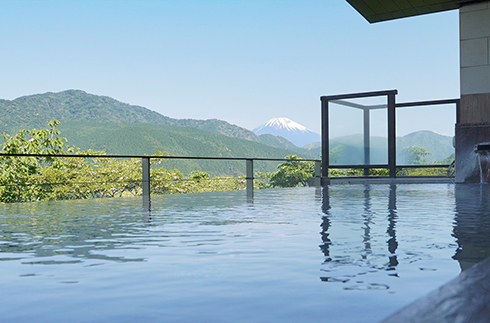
[392, 134]
[250, 175]
[145, 183]
[325, 139]
[318, 174]
[367, 137]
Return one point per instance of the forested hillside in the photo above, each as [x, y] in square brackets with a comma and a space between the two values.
[75, 107]
[438, 145]
[35, 111]
[139, 139]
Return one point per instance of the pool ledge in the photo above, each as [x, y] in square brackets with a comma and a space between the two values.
[464, 299]
[386, 180]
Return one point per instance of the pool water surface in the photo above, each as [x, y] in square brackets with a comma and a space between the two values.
[352, 253]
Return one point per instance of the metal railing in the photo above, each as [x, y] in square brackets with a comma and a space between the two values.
[145, 167]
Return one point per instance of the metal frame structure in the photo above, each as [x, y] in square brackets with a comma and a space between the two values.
[391, 106]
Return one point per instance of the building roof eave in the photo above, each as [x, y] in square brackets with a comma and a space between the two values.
[383, 10]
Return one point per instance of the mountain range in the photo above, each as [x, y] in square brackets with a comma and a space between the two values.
[78, 106]
[103, 123]
[349, 150]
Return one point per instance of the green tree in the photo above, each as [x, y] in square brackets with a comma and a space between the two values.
[53, 178]
[415, 155]
[293, 172]
[15, 172]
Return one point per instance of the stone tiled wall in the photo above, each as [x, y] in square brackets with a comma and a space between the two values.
[474, 126]
[475, 48]
[475, 62]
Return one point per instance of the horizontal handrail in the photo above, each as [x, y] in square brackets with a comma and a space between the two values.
[397, 105]
[358, 166]
[357, 95]
[424, 103]
[386, 166]
[224, 158]
[360, 106]
[157, 157]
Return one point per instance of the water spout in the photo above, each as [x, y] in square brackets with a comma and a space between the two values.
[483, 151]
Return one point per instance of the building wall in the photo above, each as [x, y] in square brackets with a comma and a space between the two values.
[475, 62]
[474, 124]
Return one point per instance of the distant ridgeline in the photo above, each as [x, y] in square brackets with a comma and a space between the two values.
[349, 150]
[36, 111]
[102, 123]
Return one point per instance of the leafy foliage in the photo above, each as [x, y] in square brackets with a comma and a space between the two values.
[16, 172]
[293, 172]
[53, 178]
[296, 173]
[415, 155]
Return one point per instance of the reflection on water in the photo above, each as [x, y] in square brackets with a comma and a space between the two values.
[426, 211]
[367, 215]
[472, 224]
[392, 216]
[231, 256]
[359, 233]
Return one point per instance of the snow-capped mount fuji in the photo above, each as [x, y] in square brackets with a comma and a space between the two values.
[292, 131]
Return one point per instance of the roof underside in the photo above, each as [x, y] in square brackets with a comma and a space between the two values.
[381, 10]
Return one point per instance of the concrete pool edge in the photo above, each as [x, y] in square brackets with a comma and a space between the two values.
[464, 299]
[386, 180]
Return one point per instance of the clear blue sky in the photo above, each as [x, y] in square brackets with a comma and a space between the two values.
[243, 61]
